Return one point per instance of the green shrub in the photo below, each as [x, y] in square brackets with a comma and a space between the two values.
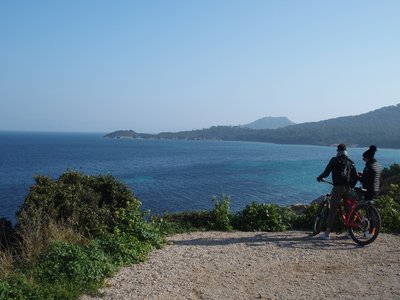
[20, 287]
[389, 209]
[260, 217]
[390, 176]
[82, 205]
[293, 220]
[220, 218]
[309, 215]
[123, 249]
[67, 270]
[129, 220]
[393, 170]
[221, 213]
[64, 262]
[6, 290]
[171, 223]
[86, 203]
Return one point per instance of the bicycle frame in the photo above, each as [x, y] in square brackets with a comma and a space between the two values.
[351, 205]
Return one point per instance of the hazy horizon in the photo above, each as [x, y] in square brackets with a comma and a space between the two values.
[104, 132]
[98, 66]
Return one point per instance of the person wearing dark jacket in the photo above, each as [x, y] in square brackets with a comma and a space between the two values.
[344, 177]
[370, 177]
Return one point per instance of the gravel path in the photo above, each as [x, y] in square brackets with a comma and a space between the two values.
[260, 265]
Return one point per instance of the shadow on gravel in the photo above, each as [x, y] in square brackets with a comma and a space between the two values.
[307, 241]
[284, 240]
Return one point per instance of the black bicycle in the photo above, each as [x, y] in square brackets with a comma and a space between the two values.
[360, 217]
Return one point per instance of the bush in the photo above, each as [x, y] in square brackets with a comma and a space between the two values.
[171, 223]
[67, 270]
[389, 209]
[123, 249]
[390, 176]
[294, 220]
[85, 203]
[20, 288]
[220, 218]
[221, 213]
[260, 217]
[130, 221]
[82, 205]
[65, 262]
[266, 217]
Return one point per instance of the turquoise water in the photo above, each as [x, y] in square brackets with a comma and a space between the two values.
[172, 175]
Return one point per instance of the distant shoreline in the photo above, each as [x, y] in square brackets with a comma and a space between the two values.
[380, 127]
[155, 138]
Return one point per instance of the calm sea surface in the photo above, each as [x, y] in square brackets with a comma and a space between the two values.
[172, 175]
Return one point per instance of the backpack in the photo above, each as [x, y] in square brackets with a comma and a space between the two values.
[342, 171]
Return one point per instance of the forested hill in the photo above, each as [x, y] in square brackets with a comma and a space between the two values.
[380, 127]
[269, 123]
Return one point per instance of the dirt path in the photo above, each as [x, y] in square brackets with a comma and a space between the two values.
[248, 265]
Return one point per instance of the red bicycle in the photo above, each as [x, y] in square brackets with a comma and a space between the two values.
[360, 217]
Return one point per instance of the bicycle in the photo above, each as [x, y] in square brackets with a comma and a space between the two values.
[360, 217]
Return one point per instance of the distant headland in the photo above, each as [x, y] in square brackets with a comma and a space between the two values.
[380, 127]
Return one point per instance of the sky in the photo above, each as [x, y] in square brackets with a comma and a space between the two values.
[153, 66]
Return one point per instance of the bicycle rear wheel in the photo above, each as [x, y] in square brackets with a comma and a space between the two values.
[320, 218]
[367, 224]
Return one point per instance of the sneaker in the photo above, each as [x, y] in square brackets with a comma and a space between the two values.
[324, 236]
[368, 234]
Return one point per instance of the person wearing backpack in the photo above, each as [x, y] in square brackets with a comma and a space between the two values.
[370, 177]
[344, 177]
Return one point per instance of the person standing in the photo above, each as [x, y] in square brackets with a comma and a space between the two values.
[370, 177]
[344, 177]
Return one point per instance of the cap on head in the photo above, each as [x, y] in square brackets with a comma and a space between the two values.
[370, 153]
[341, 147]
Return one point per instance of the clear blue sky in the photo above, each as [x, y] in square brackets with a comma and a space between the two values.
[151, 66]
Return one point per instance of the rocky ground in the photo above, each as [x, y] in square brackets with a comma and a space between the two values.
[261, 265]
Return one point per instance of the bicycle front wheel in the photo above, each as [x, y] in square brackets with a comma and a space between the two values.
[365, 224]
[320, 218]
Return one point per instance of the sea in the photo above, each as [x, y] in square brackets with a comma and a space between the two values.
[172, 175]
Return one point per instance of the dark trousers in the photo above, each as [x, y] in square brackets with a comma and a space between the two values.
[339, 192]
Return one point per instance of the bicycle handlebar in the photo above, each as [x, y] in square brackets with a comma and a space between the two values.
[354, 188]
[326, 181]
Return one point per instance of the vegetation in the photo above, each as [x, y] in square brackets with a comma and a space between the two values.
[222, 215]
[389, 208]
[73, 232]
[382, 124]
[389, 202]
[70, 234]
[390, 176]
